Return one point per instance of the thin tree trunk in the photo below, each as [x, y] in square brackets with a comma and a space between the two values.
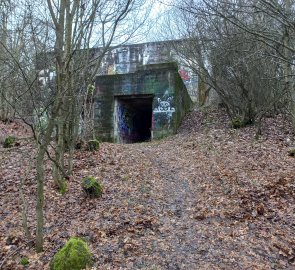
[287, 66]
[74, 130]
[43, 142]
[59, 155]
[25, 205]
[40, 198]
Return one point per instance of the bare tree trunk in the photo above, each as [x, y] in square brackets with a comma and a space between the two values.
[73, 133]
[25, 204]
[40, 197]
[59, 155]
[287, 65]
[24, 213]
[43, 141]
[6, 111]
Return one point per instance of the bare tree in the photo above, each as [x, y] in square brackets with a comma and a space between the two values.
[59, 38]
[76, 24]
[242, 49]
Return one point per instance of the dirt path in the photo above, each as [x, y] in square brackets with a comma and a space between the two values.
[177, 227]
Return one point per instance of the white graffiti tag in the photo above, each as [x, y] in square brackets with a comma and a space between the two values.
[165, 106]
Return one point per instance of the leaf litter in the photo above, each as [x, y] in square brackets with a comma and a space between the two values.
[210, 197]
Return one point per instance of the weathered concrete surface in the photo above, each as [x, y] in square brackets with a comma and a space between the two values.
[128, 58]
[157, 90]
[140, 94]
[122, 60]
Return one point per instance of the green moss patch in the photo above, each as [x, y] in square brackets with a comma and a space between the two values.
[91, 187]
[9, 142]
[291, 152]
[24, 261]
[64, 187]
[74, 255]
[237, 123]
[93, 145]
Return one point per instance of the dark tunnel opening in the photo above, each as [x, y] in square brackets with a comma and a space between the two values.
[134, 118]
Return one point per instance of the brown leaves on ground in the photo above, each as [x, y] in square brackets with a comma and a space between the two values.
[209, 197]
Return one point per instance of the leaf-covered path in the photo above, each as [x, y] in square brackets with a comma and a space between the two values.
[209, 197]
[173, 196]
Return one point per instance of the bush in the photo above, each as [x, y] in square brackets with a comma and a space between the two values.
[9, 142]
[91, 187]
[74, 255]
[93, 145]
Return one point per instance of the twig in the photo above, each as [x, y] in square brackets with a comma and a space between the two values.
[12, 253]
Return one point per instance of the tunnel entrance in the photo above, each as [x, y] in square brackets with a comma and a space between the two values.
[133, 118]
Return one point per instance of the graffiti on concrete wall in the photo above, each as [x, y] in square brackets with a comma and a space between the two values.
[163, 112]
[164, 106]
[121, 68]
[184, 74]
[128, 58]
[122, 60]
[189, 79]
[124, 121]
[126, 129]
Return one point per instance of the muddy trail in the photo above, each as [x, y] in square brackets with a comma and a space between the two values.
[210, 197]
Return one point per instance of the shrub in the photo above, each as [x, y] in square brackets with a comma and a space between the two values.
[91, 187]
[9, 142]
[74, 255]
[93, 145]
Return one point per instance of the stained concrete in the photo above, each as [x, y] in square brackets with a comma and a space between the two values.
[129, 58]
[147, 104]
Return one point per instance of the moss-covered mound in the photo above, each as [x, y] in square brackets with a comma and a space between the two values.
[79, 144]
[24, 261]
[74, 255]
[91, 187]
[93, 145]
[237, 123]
[291, 152]
[9, 142]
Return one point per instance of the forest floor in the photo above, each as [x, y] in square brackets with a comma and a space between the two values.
[210, 197]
